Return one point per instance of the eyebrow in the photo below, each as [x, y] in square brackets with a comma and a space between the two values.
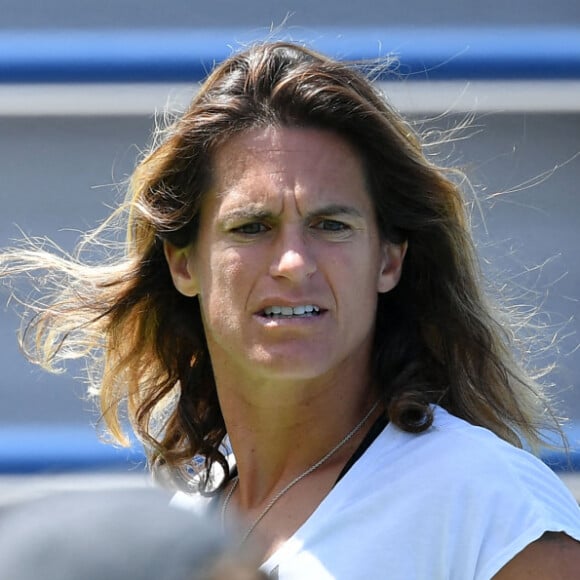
[248, 213]
[336, 209]
[252, 213]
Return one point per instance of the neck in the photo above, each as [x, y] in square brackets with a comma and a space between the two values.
[307, 472]
[283, 436]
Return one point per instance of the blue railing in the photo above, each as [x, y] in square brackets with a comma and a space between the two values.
[175, 56]
[31, 448]
[107, 56]
[27, 449]
[560, 460]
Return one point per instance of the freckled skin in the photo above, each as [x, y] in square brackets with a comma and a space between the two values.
[288, 220]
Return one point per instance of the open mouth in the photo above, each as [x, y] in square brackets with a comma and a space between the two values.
[305, 311]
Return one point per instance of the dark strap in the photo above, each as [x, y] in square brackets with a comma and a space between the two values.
[372, 434]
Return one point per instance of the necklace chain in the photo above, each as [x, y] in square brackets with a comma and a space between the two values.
[298, 478]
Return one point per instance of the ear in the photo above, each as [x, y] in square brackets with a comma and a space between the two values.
[179, 262]
[393, 256]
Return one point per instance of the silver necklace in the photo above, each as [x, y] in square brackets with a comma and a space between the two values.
[300, 477]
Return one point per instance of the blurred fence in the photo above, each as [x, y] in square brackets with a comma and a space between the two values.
[39, 449]
[132, 72]
[185, 56]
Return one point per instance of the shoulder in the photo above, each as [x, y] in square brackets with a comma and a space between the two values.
[501, 497]
[483, 499]
[469, 450]
[464, 466]
[463, 458]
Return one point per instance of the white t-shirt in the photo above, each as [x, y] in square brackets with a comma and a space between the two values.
[453, 503]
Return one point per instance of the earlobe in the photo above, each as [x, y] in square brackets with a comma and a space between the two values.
[178, 260]
[392, 265]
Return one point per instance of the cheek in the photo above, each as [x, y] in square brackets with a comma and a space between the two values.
[361, 284]
[364, 266]
[231, 270]
[223, 284]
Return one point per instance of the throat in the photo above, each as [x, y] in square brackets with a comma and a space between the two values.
[306, 479]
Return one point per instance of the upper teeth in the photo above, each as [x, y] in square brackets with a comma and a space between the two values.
[289, 310]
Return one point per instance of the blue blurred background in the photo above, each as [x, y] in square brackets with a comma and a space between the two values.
[81, 83]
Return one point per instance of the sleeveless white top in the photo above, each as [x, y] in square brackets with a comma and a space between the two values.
[453, 503]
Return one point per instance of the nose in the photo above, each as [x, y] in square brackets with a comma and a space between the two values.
[293, 257]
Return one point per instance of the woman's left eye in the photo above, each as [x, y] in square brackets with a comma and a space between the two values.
[251, 228]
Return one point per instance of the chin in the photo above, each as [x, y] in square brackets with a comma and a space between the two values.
[292, 366]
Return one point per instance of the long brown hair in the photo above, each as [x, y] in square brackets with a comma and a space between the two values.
[438, 337]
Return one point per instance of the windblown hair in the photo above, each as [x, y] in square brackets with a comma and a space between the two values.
[438, 337]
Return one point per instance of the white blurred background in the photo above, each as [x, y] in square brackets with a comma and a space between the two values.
[67, 148]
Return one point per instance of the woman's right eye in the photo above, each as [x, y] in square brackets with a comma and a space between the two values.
[250, 229]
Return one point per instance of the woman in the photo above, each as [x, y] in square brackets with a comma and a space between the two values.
[299, 277]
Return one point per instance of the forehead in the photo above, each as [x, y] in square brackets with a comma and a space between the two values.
[306, 164]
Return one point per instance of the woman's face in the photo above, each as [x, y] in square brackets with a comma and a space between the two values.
[288, 263]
